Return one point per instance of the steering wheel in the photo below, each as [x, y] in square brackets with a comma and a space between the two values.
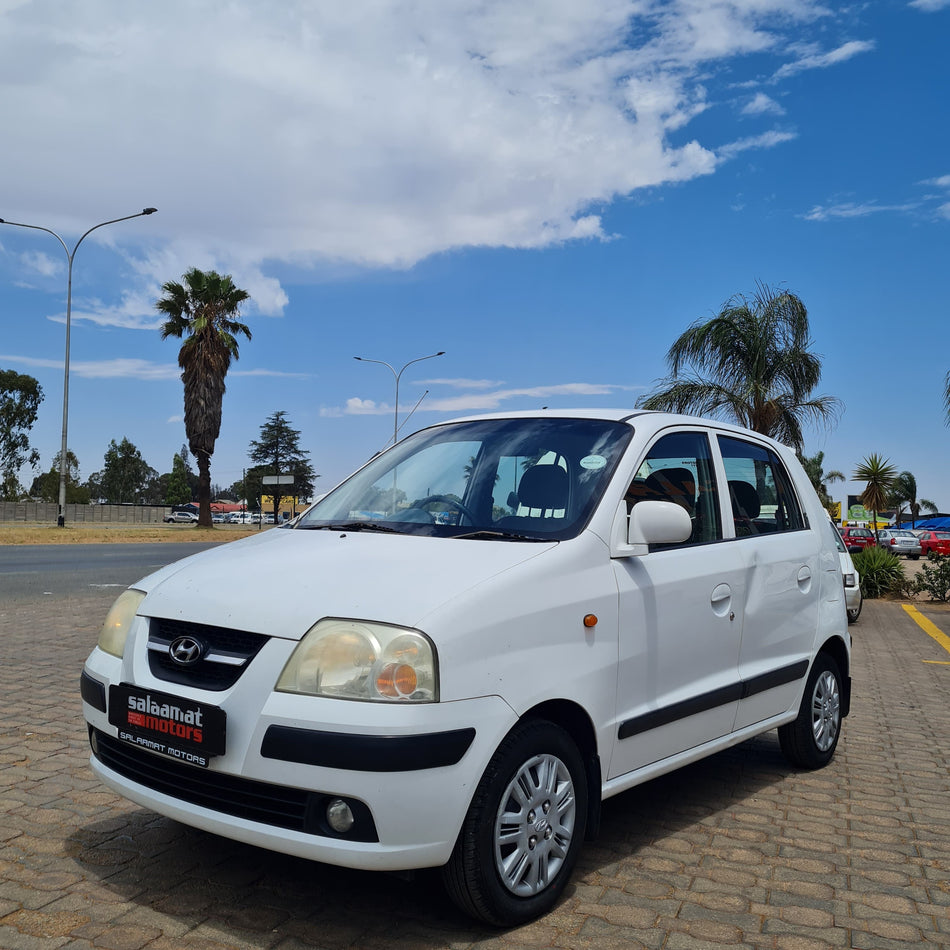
[447, 500]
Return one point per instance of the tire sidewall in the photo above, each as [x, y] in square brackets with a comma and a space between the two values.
[521, 745]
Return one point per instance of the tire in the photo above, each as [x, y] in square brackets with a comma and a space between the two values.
[524, 829]
[810, 741]
[856, 612]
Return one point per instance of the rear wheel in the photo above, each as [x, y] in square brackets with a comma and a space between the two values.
[855, 612]
[521, 836]
[810, 741]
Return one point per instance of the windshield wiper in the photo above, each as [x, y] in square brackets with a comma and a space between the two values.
[486, 535]
[351, 526]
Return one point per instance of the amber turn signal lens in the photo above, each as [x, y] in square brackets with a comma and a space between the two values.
[590, 620]
[396, 679]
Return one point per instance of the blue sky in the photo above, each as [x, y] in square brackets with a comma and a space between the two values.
[549, 191]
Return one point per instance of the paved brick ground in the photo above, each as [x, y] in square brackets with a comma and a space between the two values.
[738, 851]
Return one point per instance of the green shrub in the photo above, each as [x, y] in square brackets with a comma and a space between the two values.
[934, 578]
[881, 573]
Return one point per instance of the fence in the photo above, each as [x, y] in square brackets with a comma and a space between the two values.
[92, 514]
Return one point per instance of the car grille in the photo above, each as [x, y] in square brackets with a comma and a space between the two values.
[278, 805]
[225, 654]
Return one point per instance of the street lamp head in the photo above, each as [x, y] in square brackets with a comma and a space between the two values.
[149, 210]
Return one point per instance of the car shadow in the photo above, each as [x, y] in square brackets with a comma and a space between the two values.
[229, 893]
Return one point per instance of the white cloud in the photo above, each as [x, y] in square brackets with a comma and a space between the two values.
[853, 210]
[329, 134]
[930, 6]
[765, 140]
[479, 400]
[812, 59]
[761, 104]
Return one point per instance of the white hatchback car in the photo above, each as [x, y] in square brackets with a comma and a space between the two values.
[496, 624]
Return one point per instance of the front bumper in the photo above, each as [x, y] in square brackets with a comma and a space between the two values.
[408, 771]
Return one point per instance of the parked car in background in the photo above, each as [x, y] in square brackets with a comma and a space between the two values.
[858, 537]
[933, 542]
[181, 517]
[900, 541]
[553, 607]
[851, 578]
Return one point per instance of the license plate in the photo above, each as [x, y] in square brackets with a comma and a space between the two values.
[180, 728]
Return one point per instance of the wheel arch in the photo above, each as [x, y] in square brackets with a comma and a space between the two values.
[575, 721]
[836, 649]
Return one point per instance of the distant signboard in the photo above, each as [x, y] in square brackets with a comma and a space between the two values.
[858, 513]
[834, 509]
[278, 479]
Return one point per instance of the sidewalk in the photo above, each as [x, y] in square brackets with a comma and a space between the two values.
[737, 851]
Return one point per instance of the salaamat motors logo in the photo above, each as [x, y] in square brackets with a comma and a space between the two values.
[165, 718]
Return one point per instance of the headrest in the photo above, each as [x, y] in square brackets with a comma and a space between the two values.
[543, 486]
[675, 484]
[745, 499]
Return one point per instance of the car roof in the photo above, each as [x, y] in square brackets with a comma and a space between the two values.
[637, 418]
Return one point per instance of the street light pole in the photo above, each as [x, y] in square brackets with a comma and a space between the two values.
[70, 255]
[397, 376]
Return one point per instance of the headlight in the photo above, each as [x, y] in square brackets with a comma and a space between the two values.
[118, 621]
[353, 659]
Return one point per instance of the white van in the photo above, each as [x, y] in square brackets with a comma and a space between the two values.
[495, 625]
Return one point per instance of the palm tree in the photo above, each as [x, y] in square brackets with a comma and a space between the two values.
[905, 490]
[819, 477]
[879, 475]
[752, 365]
[203, 310]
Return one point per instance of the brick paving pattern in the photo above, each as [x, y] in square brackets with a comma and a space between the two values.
[737, 851]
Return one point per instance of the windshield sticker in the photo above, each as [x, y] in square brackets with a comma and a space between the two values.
[593, 462]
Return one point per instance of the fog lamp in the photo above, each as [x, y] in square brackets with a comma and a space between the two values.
[340, 816]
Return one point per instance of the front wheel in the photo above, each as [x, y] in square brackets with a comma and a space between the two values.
[523, 831]
[810, 741]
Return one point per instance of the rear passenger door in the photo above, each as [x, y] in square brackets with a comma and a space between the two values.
[781, 564]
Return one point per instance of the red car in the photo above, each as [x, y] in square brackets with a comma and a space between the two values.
[933, 542]
[859, 537]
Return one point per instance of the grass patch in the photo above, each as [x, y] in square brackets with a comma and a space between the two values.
[79, 533]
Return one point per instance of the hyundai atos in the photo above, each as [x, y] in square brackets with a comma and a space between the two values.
[495, 625]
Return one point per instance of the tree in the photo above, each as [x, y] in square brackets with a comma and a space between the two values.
[879, 475]
[204, 311]
[819, 477]
[904, 491]
[946, 396]
[46, 486]
[278, 451]
[751, 364]
[125, 475]
[177, 491]
[20, 398]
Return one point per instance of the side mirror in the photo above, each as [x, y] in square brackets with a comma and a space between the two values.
[650, 522]
[854, 549]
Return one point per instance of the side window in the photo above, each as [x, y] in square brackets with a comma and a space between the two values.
[678, 468]
[760, 489]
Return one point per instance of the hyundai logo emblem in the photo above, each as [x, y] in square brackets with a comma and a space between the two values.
[186, 651]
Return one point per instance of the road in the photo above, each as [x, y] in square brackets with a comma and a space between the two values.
[737, 851]
[28, 571]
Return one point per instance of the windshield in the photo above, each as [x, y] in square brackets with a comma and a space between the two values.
[516, 479]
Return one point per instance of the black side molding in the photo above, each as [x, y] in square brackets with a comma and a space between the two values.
[342, 750]
[717, 697]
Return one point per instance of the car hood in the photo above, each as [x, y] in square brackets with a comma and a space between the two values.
[281, 582]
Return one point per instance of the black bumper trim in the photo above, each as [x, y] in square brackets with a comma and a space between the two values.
[357, 753]
[92, 691]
